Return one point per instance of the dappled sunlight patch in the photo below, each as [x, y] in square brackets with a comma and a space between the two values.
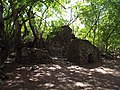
[101, 71]
[18, 74]
[90, 73]
[37, 70]
[49, 85]
[55, 58]
[41, 73]
[17, 77]
[10, 74]
[101, 88]
[12, 83]
[73, 67]
[34, 79]
[18, 69]
[77, 69]
[118, 57]
[112, 63]
[22, 68]
[52, 68]
[82, 84]
[57, 66]
[64, 79]
[15, 85]
[60, 74]
[9, 60]
[19, 81]
[104, 70]
[72, 70]
[38, 74]
[67, 86]
[70, 80]
[71, 73]
[48, 74]
[28, 75]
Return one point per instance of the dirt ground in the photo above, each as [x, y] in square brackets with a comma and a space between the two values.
[63, 75]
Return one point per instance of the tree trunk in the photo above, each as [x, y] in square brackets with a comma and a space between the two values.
[18, 42]
[4, 47]
[17, 37]
[1, 21]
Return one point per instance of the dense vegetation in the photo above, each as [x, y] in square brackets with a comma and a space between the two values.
[59, 44]
[32, 20]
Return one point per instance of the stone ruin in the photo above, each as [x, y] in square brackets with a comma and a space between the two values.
[77, 50]
[82, 52]
[58, 44]
[63, 37]
[35, 56]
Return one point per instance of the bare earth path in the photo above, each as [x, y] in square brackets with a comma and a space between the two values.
[65, 76]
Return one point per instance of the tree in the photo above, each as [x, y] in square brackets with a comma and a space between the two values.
[100, 18]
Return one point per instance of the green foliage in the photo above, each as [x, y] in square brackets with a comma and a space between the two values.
[101, 20]
[95, 20]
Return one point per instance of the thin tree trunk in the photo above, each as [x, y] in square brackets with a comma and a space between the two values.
[18, 42]
[36, 37]
[3, 49]
[1, 21]
[94, 35]
[17, 37]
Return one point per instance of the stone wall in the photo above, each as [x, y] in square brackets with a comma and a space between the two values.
[82, 52]
[34, 55]
[77, 50]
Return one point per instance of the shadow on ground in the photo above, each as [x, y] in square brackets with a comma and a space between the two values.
[64, 76]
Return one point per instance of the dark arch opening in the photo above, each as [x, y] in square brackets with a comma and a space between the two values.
[90, 58]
